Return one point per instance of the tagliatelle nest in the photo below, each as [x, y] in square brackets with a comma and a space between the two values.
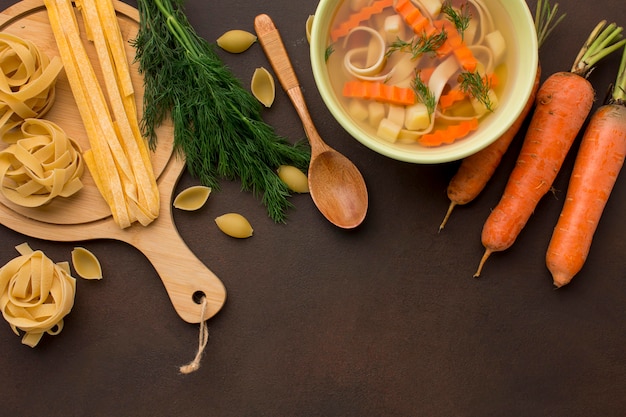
[27, 81]
[35, 294]
[41, 163]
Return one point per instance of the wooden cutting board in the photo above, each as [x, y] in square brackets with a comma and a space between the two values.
[86, 215]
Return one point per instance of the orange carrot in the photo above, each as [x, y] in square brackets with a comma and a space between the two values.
[426, 73]
[414, 18]
[598, 163]
[476, 170]
[563, 104]
[355, 19]
[378, 91]
[599, 160]
[448, 99]
[454, 44]
[449, 134]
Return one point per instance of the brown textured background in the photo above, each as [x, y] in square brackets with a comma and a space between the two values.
[385, 320]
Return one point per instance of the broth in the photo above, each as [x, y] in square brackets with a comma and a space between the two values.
[408, 77]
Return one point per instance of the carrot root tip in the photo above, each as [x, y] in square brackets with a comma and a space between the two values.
[447, 216]
[559, 282]
[482, 262]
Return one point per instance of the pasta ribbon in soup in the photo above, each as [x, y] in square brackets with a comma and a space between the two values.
[449, 54]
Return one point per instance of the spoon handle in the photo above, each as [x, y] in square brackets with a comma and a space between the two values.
[272, 44]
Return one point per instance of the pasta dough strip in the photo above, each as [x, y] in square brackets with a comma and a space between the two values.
[147, 195]
[99, 155]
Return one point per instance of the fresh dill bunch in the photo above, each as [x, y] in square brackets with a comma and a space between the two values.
[477, 86]
[419, 45]
[461, 18]
[424, 93]
[218, 126]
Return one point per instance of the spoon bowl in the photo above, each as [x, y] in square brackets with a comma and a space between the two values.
[335, 183]
[340, 190]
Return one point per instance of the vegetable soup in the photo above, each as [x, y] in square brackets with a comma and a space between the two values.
[420, 72]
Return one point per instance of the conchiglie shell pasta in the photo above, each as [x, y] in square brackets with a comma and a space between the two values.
[86, 264]
[295, 179]
[236, 41]
[234, 225]
[309, 26]
[263, 86]
[192, 198]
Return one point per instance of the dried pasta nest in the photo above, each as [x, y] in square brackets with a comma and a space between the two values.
[35, 294]
[40, 163]
[27, 81]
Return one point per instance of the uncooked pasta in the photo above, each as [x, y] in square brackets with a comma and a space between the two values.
[35, 294]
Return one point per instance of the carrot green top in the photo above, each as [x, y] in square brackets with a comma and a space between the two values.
[545, 20]
[618, 95]
[603, 40]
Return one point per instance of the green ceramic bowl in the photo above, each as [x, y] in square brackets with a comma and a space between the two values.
[515, 22]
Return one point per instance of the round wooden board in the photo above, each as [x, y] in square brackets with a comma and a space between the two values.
[29, 20]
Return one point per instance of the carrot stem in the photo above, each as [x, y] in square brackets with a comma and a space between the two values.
[544, 20]
[603, 40]
[619, 90]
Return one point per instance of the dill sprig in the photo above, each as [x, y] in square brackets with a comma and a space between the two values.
[419, 45]
[328, 52]
[218, 126]
[477, 86]
[460, 18]
[423, 93]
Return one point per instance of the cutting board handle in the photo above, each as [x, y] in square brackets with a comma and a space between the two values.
[185, 277]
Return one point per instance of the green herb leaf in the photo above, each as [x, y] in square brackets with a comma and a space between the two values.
[419, 45]
[328, 52]
[477, 86]
[460, 18]
[424, 93]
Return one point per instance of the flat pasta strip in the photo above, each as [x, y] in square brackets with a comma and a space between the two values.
[98, 124]
[117, 78]
[118, 160]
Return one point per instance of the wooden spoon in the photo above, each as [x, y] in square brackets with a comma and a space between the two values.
[335, 183]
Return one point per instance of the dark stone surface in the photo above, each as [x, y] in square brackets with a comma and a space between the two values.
[384, 320]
